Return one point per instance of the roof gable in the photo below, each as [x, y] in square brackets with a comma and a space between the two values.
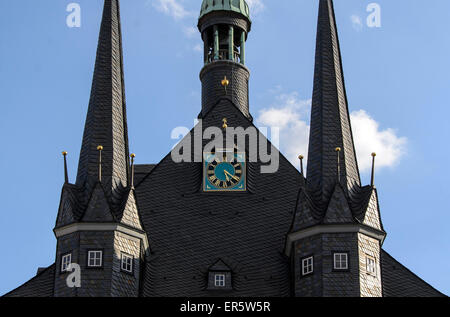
[338, 208]
[67, 205]
[129, 214]
[98, 208]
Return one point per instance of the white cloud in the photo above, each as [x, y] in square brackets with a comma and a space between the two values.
[369, 138]
[256, 6]
[291, 115]
[356, 22]
[173, 8]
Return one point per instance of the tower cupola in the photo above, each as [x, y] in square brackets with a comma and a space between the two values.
[224, 26]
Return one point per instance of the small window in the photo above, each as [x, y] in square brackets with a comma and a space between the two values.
[219, 280]
[127, 263]
[65, 261]
[307, 266]
[371, 266]
[95, 258]
[340, 261]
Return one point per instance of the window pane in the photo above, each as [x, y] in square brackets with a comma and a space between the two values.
[219, 280]
[127, 263]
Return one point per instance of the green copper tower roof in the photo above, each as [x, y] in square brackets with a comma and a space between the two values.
[238, 6]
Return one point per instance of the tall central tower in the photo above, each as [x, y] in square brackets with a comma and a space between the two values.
[224, 25]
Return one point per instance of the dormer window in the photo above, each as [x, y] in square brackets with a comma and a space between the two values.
[219, 280]
[219, 277]
[66, 260]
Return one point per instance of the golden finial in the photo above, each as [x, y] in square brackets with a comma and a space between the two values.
[372, 179]
[66, 174]
[100, 149]
[338, 149]
[225, 123]
[301, 157]
[132, 169]
[225, 82]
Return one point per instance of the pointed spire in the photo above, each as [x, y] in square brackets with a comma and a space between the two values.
[330, 121]
[106, 118]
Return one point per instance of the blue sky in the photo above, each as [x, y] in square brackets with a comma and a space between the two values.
[397, 79]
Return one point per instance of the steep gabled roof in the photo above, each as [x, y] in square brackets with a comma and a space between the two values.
[338, 210]
[330, 121]
[189, 230]
[98, 208]
[219, 266]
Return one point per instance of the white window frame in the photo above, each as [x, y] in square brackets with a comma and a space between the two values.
[97, 257]
[126, 263]
[340, 261]
[307, 266]
[219, 280]
[371, 265]
[66, 260]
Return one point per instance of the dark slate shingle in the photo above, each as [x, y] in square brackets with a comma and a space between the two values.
[39, 286]
[398, 281]
[330, 120]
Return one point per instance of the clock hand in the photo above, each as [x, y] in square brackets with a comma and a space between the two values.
[226, 172]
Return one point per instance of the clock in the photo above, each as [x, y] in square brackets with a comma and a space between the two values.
[224, 172]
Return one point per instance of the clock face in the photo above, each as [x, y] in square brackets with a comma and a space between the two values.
[224, 172]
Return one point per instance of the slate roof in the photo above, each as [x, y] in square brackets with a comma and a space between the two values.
[39, 286]
[398, 281]
[190, 230]
[328, 198]
[106, 122]
[330, 120]
[140, 171]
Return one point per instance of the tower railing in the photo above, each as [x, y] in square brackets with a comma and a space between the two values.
[224, 55]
